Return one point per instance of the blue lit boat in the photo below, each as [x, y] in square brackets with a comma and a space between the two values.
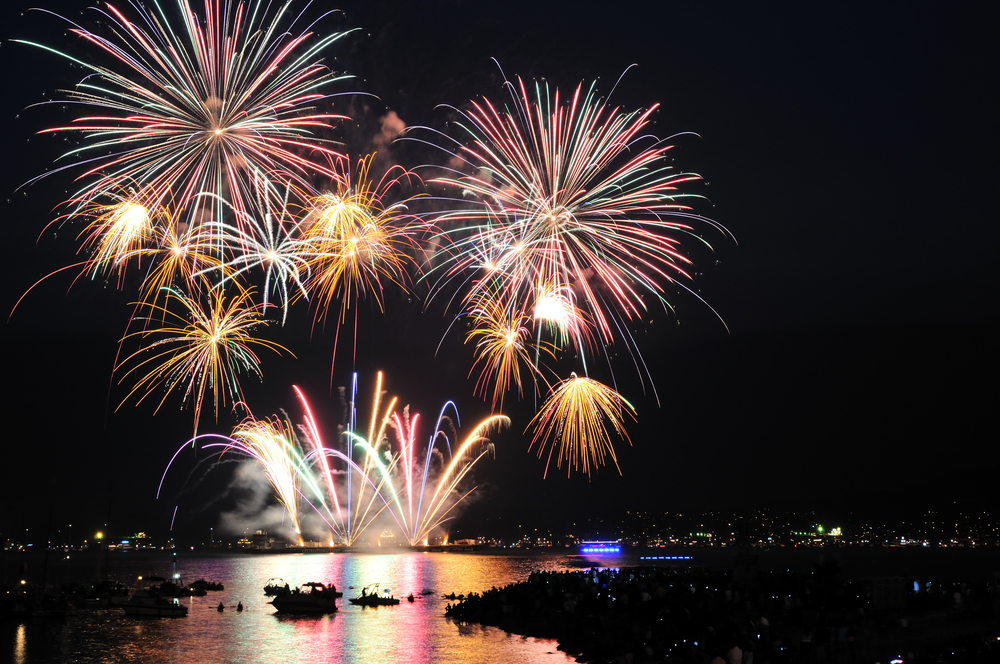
[600, 548]
[592, 553]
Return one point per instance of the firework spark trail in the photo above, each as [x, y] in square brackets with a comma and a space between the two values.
[572, 419]
[318, 449]
[189, 116]
[391, 480]
[352, 531]
[206, 104]
[417, 525]
[271, 443]
[438, 432]
[556, 312]
[405, 430]
[371, 445]
[205, 350]
[180, 258]
[352, 524]
[298, 469]
[384, 476]
[461, 463]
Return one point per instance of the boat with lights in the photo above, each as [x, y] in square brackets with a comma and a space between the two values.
[592, 553]
[600, 548]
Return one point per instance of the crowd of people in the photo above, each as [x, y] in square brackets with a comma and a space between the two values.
[675, 614]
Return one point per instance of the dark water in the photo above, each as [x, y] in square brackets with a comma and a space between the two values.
[416, 632]
[927, 563]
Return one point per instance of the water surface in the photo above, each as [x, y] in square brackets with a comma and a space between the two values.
[416, 632]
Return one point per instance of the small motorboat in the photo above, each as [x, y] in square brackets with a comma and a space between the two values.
[310, 598]
[276, 586]
[370, 597]
[409, 598]
[202, 584]
[332, 587]
[105, 594]
[146, 603]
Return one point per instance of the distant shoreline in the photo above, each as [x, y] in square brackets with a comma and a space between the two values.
[440, 548]
[951, 564]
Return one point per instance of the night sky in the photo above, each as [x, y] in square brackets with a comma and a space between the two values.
[850, 150]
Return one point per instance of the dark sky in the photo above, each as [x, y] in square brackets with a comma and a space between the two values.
[850, 150]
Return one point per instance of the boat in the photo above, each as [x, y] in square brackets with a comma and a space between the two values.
[592, 552]
[600, 548]
[332, 588]
[175, 587]
[52, 606]
[370, 597]
[202, 584]
[146, 603]
[171, 589]
[276, 586]
[310, 598]
[97, 596]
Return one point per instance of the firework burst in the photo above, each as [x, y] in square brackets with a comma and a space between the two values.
[206, 349]
[503, 345]
[119, 230]
[571, 424]
[180, 259]
[357, 241]
[200, 103]
[269, 244]
[579, 218]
